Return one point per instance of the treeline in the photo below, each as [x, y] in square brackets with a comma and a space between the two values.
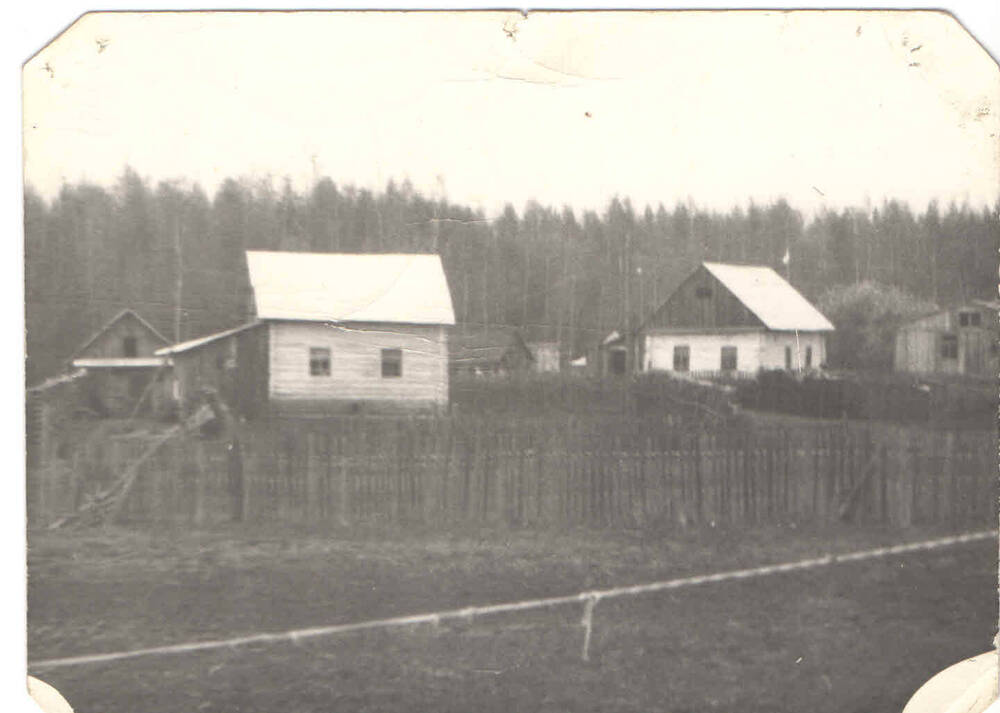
[175, 254]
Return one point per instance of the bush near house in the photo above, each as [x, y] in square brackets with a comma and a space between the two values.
[866, 316]
[657, 395]
[877, 396]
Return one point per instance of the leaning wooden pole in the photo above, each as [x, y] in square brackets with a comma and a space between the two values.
[106, 506]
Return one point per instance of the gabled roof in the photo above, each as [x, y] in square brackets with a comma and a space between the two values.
[114, 320]
[202, 341]
[341, 287]
[765, 293]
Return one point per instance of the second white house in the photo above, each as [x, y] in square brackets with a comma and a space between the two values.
[735, 319]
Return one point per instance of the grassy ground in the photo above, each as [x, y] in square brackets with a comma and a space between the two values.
[852, 637]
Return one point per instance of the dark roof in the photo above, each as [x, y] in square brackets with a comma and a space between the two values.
[486, 346]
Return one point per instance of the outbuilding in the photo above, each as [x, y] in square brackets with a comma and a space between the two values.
[497, 350]
[958, 340]
[124, 376]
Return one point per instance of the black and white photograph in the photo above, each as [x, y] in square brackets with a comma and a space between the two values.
[607, 361]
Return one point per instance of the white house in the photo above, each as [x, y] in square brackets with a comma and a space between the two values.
[735, 319]
[333, 333]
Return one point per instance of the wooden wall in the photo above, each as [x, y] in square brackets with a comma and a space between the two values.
[355, 377]
[918, 346]
[720, 308]
[250, 380]
[235, 367]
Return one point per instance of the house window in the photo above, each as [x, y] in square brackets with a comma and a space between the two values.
[728, 359]
[703, 293]
[319, 361]
[969, 319]
[949, 346]
[788, 357]
[809, 357]
[682, 357]
[392, 363]
[130, 347]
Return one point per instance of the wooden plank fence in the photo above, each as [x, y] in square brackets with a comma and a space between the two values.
[556, 473]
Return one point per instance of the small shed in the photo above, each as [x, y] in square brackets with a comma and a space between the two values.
[549, 345]
[730, 320]
[333, 333]
[546, 356]
[958, 340]
[612, 354]
[124, 375]
[494, 350]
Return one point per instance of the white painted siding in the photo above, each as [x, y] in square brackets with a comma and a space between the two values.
[755, 350]
[774, 343]
[356, 362]
[706, 350]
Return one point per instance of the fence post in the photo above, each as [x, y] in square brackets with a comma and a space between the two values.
[199, 483]
[916, 464]
[883, 485]
[312, 478]
[444, 511]
[488, 461]
[540, 456]
[947, 478]
[467, 465]
[344, 491]
[699, 516]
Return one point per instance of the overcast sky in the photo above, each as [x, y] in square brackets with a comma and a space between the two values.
[487, 108]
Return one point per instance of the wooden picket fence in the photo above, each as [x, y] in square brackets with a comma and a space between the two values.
[555, 473]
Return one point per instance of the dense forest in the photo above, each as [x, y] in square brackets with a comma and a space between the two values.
[175, 254]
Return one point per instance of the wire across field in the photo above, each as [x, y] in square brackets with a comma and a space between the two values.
[833, 623]
[589, 599]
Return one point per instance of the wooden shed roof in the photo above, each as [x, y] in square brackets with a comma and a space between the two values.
[486, 346]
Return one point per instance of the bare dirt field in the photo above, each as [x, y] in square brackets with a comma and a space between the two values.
[851, 637]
